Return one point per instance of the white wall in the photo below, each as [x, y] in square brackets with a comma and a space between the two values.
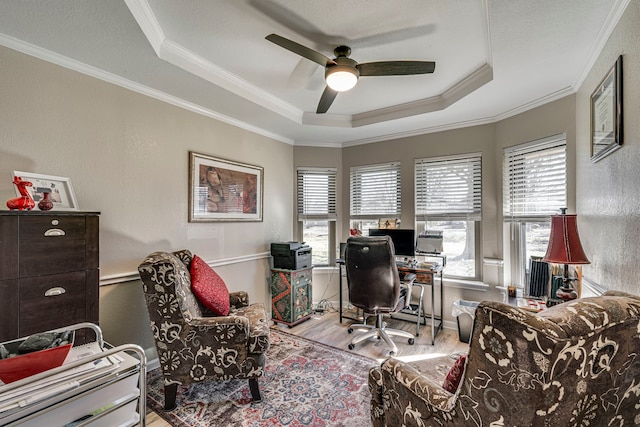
[127, 156]
[608, 192]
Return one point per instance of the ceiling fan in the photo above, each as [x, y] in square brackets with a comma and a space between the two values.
[342, 72]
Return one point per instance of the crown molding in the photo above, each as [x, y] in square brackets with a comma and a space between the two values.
[147, 22]
[418, 132]
[610, 23]
[91, 71]
[462, 88]
[176, 54]
[330, 120]
[459, 90]
[535, 103]
[187, 60]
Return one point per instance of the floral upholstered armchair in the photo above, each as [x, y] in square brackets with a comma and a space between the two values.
[574, 364]
[194, 345]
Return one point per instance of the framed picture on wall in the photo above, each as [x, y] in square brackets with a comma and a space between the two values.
[606, 114]
[59, 188]
[224, 190]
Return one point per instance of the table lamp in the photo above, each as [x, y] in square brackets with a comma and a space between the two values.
[565, 248]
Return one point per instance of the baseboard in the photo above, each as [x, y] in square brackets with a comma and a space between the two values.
[153, 364]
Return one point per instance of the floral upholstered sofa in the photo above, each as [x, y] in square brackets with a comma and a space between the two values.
[193, 344]
[574, 364]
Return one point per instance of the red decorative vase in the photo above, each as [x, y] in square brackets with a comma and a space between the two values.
[25, 201]
[45, 204]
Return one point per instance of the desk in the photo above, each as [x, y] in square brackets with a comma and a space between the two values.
[424, 277]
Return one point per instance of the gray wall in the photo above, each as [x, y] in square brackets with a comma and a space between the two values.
[608, 192]
[127, 156]
[550, 119]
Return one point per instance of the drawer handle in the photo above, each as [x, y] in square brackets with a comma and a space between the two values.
[54, 232]
[54, 291]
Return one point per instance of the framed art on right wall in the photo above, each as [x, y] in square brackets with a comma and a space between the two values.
[606, 114]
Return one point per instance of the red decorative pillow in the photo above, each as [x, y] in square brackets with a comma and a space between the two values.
[208, 287]
[452, 380]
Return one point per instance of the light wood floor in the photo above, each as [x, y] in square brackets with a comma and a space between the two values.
[326, 328]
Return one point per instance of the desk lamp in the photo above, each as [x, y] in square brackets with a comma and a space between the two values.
[565, 248]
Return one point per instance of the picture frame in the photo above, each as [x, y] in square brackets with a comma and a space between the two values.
[224, 190]
[59, 187]
[606, 114]
[388, 223]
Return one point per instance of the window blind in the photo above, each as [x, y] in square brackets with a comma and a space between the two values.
[375, 191]
[316, 194]
[449, 188]
[535, 179]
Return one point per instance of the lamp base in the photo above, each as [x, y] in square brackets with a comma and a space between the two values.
[566, 293]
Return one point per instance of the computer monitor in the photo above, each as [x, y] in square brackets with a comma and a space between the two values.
[404, 240]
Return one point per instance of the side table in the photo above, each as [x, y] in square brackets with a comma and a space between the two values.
[291, 296]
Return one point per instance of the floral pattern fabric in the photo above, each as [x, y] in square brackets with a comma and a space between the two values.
[192, 344]
[575, 364]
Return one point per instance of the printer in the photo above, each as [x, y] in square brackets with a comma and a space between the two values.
[291, 255]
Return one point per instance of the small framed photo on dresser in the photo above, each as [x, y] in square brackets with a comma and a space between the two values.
[59, 188]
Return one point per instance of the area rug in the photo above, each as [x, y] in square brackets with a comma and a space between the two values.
[305, 384]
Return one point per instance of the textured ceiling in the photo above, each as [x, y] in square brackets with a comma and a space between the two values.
[494, 58]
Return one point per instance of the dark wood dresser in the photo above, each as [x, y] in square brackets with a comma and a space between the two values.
[49, 271]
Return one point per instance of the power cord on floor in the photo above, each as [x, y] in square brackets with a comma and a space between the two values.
[324, 306]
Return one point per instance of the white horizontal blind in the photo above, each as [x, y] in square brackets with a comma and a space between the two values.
[449, 188]
[375, 191]
[535, 179]
[317, 194]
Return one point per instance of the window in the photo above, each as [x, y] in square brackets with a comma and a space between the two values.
[317, 212]
[534, 188]
[375, 194]
[449, 199]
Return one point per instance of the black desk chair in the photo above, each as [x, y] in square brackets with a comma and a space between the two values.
[375, 287]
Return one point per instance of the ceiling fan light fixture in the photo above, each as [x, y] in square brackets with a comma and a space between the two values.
[341, 78]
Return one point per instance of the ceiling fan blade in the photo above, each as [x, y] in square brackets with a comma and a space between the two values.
[306, 75]
[396, 68]
[326, 100]
[300, 50]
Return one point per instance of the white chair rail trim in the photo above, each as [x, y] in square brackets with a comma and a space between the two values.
[113, 279]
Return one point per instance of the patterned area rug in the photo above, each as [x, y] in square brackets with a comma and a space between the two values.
[306, 384]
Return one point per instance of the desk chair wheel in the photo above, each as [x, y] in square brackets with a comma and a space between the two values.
[350, 330]
[411, 341]
[392, 353]
[352, 346]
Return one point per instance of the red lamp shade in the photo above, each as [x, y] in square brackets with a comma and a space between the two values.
[564, 242]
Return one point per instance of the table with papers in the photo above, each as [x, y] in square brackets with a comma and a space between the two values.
[97, 385]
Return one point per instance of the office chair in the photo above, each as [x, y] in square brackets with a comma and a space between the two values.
[375, 287]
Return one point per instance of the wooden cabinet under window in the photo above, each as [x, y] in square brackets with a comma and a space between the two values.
[49, 271]
[291, 296]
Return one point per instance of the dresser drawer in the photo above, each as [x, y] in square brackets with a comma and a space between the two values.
[426, 278]
[9, 308]
[301, 277]
[51, 244]
[8, 247]
[53, 301]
